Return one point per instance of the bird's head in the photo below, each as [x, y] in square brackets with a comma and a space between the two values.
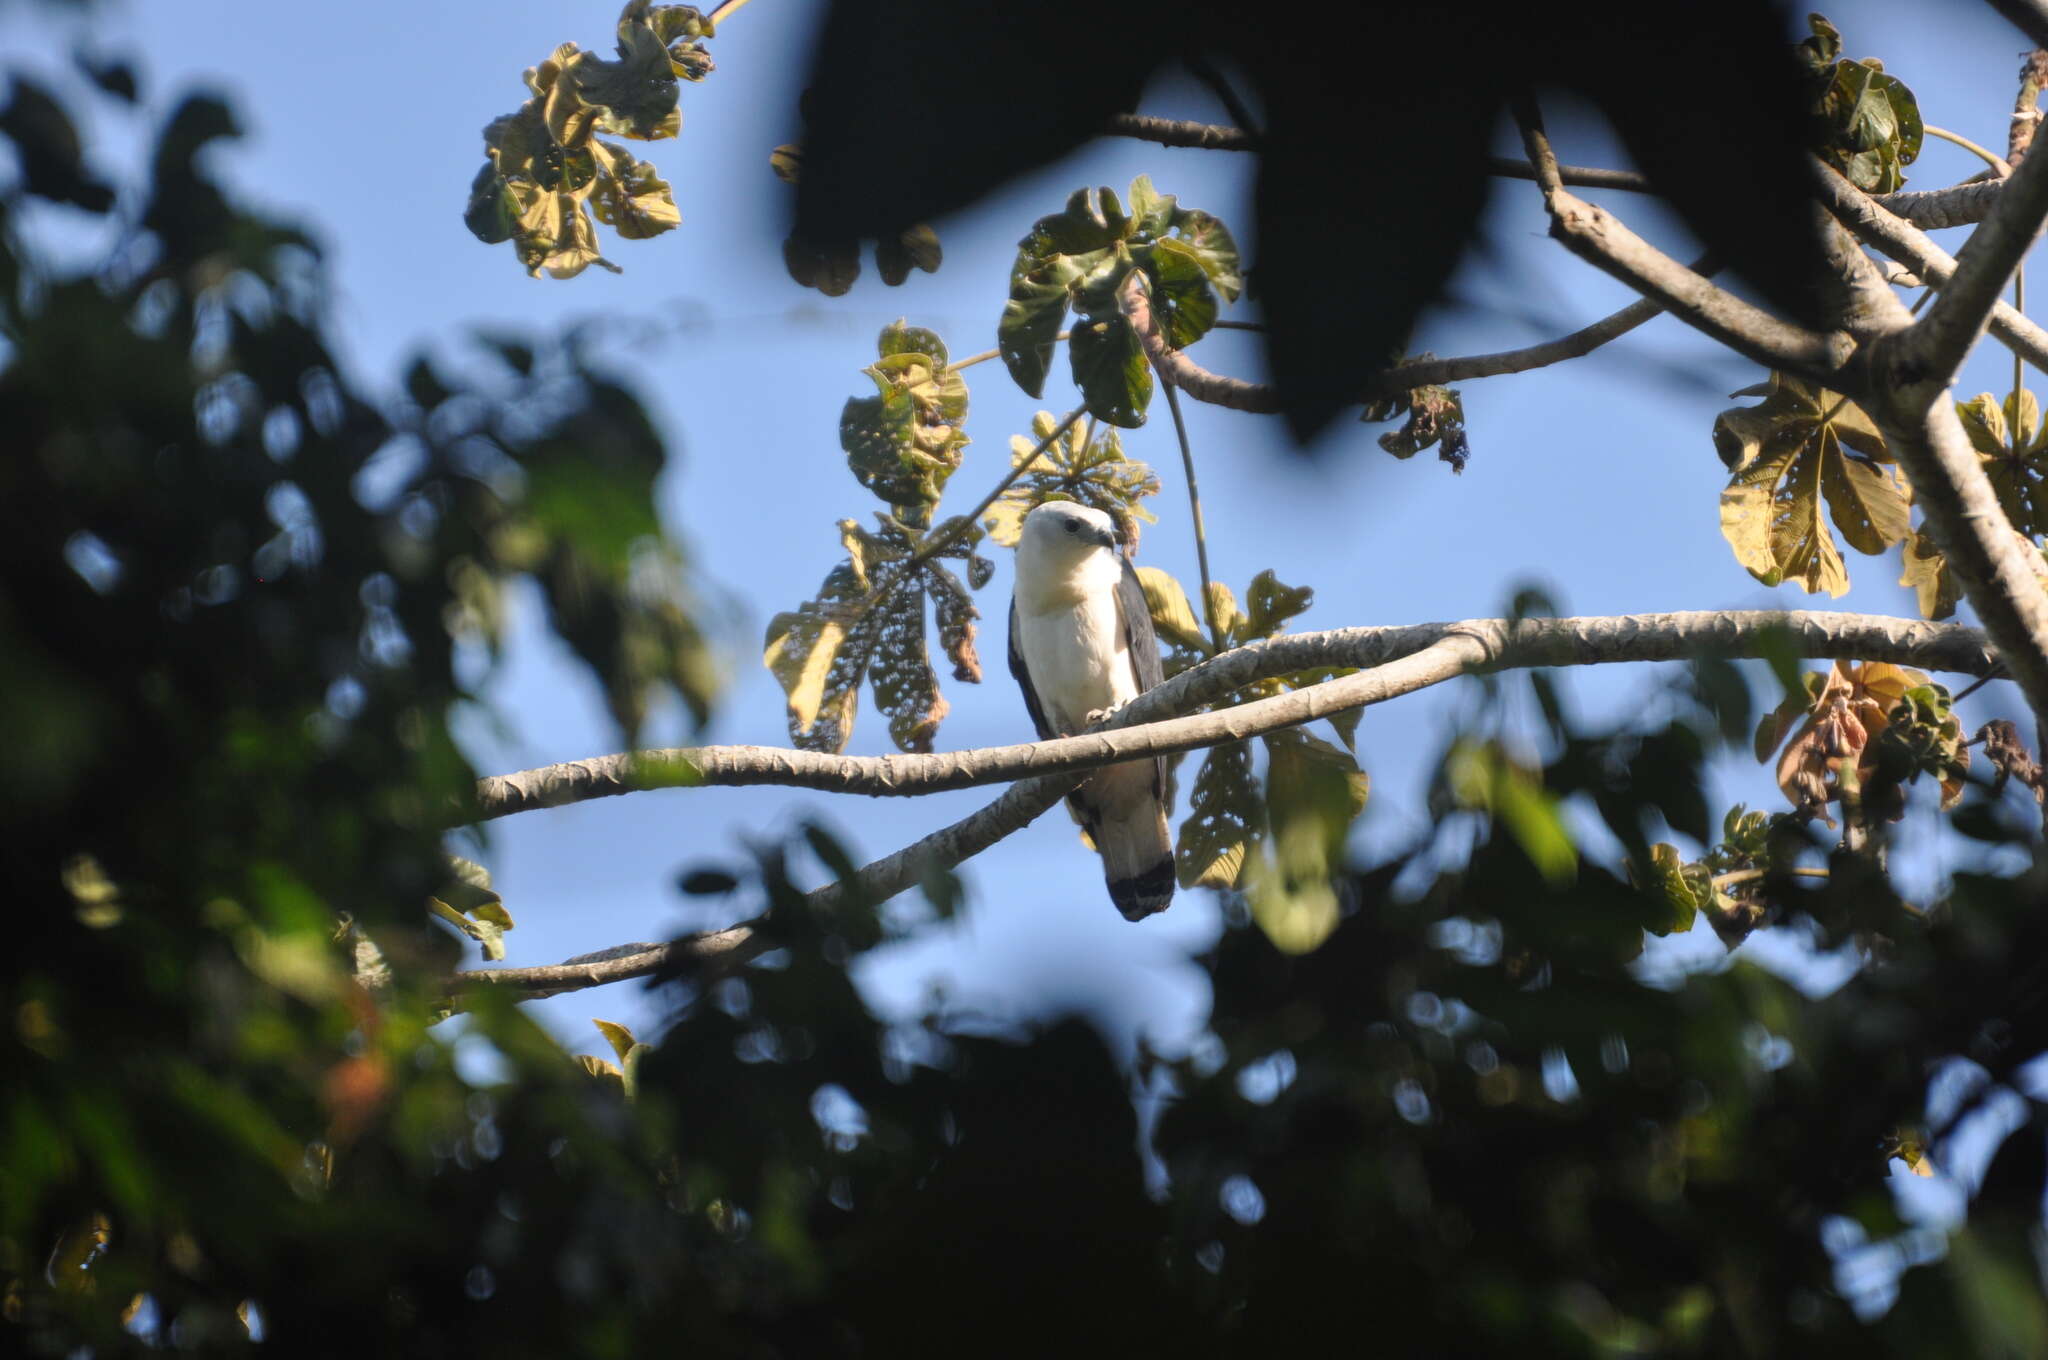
[1061, 531]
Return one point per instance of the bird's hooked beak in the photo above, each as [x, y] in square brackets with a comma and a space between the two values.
[1106, 538]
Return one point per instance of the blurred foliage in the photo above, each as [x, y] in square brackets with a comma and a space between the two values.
[547, 169]
[1443, 1106]
[230, 589]
[831, 267]
[915, 111]
[1077, 259]
[1864, 122]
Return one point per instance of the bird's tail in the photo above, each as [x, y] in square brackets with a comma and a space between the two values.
[1137, 857]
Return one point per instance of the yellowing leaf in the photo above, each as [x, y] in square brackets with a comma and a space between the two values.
[1927, 571]
[1800, 447]
[618, 1036]
[1173, 618]
[1085, 464]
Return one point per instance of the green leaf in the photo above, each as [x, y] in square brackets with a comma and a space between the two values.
[2009, 439]
[1800, 447]
[1679, 890]
[631, 198]
[1111, 370]
[1269, 604]
[905, 442]
[1865, 122]
[1479, 776]
[1224, 815]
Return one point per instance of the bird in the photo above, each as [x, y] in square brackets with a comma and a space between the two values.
[1081, 646]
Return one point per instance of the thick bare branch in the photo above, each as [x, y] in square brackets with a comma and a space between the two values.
[1998, 567]
[1941, 339]
[1959, 205]
[1598, 237]
[1871, 222]
[1535, 642]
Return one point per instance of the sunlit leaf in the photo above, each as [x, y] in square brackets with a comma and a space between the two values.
[1800, 448]
[1086, 464]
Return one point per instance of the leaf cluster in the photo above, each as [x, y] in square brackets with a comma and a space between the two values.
[1078, 258]
[1867, 728]
[867, 622]
[1277, 839]
[1085, 465]
[547, 170]
[1865, 122]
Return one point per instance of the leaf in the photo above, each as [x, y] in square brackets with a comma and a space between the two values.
[1682, 887]
[867, 625]
[1173, 618]
[1111, 370]
[1269, 604]
[1224, 815]
[1085, 465]
[904, 442]
[915, 247]
[1927, 571]
[2009, 439]
[1865, 123]
[1435, 419]
[1079, 257]
[618, 1036]
[1481, 777]
[631, 198]
[48, 150]
[1801, 446]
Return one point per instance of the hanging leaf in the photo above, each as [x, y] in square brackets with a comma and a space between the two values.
[1077, 259]
[1842, 715]
[467, 901]
[867, 625]
[1084, 465]
[1436, 419]
[1685, 889]
[1803, 447]
[1221, 819]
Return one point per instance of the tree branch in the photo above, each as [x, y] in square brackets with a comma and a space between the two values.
[1136, 730]
[1018, 806]
[1940, 340]
[1868, 218]
[1239, 394]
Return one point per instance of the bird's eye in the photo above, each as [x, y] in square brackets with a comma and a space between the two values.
[1073, 527]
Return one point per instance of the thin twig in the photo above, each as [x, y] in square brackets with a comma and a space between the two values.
[1187, 464]
[1730, 879]
[1240, 113]
[724, 11]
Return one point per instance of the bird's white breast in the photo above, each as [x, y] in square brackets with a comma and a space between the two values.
[1077, 657]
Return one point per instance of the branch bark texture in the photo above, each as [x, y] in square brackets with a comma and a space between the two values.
[1146, 725]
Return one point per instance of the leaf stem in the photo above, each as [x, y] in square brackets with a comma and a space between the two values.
[938, 543]
[725, 10]
[971, 360]
[1187, 463]
[1990, 158]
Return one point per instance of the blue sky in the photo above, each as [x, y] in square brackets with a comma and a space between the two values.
[1596, 481]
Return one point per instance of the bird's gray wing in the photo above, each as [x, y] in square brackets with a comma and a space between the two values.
[1023, 674]
[1142, 644]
